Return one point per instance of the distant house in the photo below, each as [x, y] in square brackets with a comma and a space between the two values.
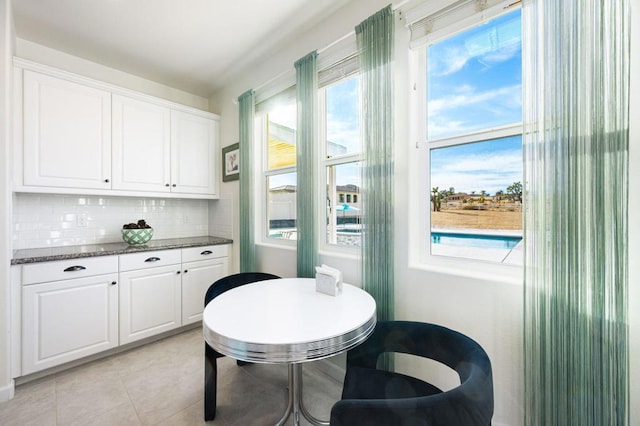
[282, 203]
[458, 196]
[348, 194]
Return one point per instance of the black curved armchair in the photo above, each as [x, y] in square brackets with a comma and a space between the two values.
[210, 355]
[374, 398]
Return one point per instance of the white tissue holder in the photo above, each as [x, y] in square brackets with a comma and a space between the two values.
[328, 280]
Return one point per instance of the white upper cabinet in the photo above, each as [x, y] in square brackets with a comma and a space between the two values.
[193, 159]
[67, 133]
[141, 145]
[82, 136]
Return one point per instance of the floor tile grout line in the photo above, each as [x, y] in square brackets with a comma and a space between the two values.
[133, 404]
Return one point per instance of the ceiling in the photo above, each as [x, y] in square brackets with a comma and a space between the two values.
[193, 45]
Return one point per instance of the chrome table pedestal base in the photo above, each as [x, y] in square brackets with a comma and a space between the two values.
[295, 405]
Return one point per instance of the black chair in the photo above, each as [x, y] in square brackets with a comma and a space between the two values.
[210, 355]
[374, 397]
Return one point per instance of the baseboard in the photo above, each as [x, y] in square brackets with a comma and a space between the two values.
[100, 355]
[332, 367]
[6, 392]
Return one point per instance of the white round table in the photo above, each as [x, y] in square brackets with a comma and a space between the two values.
[287, 321]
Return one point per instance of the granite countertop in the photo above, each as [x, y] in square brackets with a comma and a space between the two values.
[91, 250]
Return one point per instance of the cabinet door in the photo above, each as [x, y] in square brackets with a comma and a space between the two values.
[149, 302]
[194, 148]
[196, 279]
[66, 320]
[67, 133]
[141, 145]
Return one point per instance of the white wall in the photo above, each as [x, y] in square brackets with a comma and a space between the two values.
[44, 55]
[488, 310]
[7, 38]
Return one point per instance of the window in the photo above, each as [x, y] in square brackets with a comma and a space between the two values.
[278, 126]
[474, 140]
[339, 150]
[340, 103]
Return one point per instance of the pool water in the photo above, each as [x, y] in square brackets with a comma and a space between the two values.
[475, 240]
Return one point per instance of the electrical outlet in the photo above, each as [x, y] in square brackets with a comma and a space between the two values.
[81, 220]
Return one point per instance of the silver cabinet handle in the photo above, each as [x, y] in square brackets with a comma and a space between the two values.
[152, 259]
[75, 268]
[206, 252]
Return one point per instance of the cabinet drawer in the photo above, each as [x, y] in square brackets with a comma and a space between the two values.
[149, 259]
[203, 253]
[68, 269]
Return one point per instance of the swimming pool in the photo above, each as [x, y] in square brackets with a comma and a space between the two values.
[475, 240]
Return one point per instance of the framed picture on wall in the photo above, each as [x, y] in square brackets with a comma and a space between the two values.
[231, 162]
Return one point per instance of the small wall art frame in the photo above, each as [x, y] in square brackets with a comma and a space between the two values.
[231, 162]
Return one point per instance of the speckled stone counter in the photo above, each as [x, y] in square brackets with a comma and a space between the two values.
[91, 250]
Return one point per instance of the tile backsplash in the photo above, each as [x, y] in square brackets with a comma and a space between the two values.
[44, 220]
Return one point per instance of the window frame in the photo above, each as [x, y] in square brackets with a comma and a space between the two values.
[325, 163]
[261, 188]
[420, 165]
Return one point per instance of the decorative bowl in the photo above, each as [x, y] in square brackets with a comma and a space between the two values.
[137, 236]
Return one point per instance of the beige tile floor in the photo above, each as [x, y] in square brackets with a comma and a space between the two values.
[162, 384]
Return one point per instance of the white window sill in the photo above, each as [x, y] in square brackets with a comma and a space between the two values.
[491, 272]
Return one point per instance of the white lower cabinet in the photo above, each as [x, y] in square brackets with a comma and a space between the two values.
[68, 319]
[74, 308]
[202, 266]
[150, 299]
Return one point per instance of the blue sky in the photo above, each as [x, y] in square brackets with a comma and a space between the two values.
[343, 125]
[343, 114]
[475, 82]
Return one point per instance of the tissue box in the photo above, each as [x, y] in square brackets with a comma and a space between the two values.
[327, 284]
[328, 280]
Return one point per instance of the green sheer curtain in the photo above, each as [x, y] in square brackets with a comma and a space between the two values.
[246, 103]
[576, 158]
[375, 38]
[306, 164]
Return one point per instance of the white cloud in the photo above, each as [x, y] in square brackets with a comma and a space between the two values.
[284, 115]
[490, 172]
[343, 132]
[467, 110]
[451, 61]
[502, 55]
[467, 96]
[488, 51]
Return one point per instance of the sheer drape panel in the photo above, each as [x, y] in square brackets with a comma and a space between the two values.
[375, 38]
[576, 159]
[246, 103]
[307, 160]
